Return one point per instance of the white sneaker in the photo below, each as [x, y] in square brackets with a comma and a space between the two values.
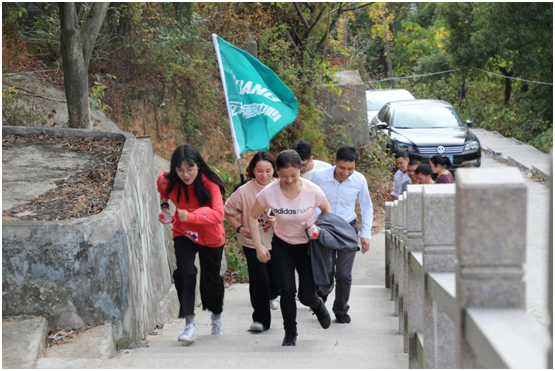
[217, 328]
[256, 327]
[274, 304]
[189, 335]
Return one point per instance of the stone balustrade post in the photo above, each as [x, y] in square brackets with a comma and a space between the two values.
[550, 277]
[491, 246]
[394, 276]
[439, 253]
[388, 206]
[414, 288]
[400, 260]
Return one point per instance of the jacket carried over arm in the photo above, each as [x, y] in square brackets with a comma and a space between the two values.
[335, 234]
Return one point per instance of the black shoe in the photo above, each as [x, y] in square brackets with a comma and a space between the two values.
[343, 318]
[323, 315]
[324, 297]
[290, 339]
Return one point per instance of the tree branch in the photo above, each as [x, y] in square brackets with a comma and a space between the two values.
[349, 9]
[318, 18]
[330, 28]
[357, 7]
[300, 13]
[91, 29]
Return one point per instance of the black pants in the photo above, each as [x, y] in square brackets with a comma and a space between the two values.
[263, 286]
[287, 258]
[185, 276]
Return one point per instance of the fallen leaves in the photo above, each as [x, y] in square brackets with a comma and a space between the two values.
[85, 193]
[60, 336]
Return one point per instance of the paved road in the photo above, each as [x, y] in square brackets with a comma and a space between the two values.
[513, 150]
[537, 245]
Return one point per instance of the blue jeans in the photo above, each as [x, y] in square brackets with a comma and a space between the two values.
[287, 258]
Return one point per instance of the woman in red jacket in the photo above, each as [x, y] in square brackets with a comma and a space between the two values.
[196, 191]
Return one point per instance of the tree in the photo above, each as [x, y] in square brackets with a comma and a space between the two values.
[518, 38]
[382, 18]
[514, 38]
[309, 27]
[77, 45]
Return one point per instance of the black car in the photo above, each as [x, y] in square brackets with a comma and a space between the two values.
[424, 128]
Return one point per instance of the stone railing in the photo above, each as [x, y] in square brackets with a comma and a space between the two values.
[454, 263]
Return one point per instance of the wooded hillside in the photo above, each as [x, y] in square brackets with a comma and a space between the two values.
[154, 71]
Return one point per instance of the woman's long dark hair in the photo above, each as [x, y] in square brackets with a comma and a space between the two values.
[261, 156]
[191, 156]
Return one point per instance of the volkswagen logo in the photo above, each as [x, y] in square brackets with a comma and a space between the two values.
[441, 150]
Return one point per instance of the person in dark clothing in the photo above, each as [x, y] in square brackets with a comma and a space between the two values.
[438, 164]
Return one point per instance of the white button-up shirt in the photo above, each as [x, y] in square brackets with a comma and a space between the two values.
[343, 196]
[398, 181]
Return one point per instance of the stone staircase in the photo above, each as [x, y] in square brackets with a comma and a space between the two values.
[371, 340]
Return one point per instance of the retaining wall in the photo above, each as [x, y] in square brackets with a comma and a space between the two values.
[112, 266]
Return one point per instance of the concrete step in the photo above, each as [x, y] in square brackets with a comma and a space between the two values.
[287, 357]
[69, 363]
[96, 342]
[87, 350]
[385, 326]
[23, 341]
[262, 343]
[371, 340]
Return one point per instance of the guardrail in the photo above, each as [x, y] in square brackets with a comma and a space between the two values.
[454, 263]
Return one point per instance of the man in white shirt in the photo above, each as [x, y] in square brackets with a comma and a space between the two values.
[401, 176]
[342, 186]
[309, 166]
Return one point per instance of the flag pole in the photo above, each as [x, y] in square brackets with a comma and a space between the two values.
[233, 135]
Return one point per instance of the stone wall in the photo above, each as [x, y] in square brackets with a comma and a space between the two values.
[346, 121]
[112, 266]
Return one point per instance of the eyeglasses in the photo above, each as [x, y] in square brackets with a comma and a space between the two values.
[304, 164]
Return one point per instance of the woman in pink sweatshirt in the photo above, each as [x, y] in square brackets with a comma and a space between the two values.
[293, 200]
[263, 280]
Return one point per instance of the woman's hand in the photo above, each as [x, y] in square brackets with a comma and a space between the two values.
[271, 220]
[245, 232]
[182, 215]
[311, 237]
[263, 254]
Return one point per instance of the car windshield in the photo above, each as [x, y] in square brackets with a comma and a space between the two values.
[375, 100]
[426, 117]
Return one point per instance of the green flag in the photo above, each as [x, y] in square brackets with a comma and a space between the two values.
[259, 104]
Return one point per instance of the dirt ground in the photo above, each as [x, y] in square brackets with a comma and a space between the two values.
[85, 193]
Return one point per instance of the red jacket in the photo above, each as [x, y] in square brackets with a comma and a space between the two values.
[204, 225]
